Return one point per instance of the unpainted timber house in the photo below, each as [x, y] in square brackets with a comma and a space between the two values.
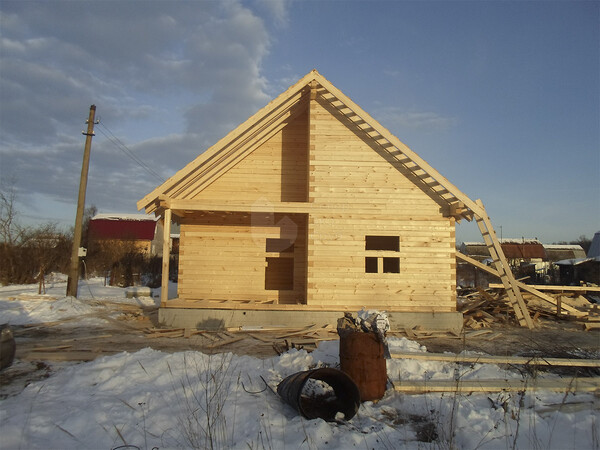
[309, 206]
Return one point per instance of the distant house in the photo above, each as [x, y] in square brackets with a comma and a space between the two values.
[526, 257]
[139, 230]
[476, 250]
[586, 269]
[517, 251]
[558, 252]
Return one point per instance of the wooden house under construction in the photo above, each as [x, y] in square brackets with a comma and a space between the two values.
[311, 207]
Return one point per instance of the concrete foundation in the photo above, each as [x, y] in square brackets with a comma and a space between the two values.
[219, 319]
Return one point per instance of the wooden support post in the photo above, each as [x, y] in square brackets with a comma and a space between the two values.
[164, 287]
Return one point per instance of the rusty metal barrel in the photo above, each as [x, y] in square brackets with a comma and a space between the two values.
[345, 398]
[362, 358]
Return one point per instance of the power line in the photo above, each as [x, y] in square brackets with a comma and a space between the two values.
[127, 151]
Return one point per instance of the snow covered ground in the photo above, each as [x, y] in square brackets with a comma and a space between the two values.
[152, 399]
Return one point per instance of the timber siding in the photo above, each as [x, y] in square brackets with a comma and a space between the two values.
[352, 177]
[302, 206]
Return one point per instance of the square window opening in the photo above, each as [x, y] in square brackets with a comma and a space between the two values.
[387, 243]
[391, 265]
[371, 264]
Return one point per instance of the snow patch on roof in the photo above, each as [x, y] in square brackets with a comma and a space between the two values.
[562, 247]
[519, 241]
[118, 216]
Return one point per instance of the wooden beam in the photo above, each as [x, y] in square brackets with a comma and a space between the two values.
[591, 384]
[237, 153]
[553, 288]
[164, 287]
[491, 359]
[477, 264]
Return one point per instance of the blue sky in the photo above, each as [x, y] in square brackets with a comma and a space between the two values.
[501, 97]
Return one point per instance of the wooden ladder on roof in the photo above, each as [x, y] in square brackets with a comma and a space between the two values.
[501, 264]
[391, 148]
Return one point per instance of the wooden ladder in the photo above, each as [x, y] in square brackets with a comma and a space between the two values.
[501, 264]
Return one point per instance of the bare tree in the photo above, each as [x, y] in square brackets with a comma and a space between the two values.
[10, 231]
[49, 249]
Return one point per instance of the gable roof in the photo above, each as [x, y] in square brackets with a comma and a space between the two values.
[240, 142]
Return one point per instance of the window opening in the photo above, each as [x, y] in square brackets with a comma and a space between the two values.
[370, 264]
[279, 274]
[380, 251]
[389, 243]
[276, 245]
[391, 265]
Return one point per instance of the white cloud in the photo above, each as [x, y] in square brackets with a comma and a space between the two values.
[277, 10]
[190, 71]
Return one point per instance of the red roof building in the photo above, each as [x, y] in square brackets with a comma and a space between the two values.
[138, 228]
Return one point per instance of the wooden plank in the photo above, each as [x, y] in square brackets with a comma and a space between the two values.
[591, 384]
[164, 286]
[491, 359]
[258, 337]
[544, 287]
[61, 356]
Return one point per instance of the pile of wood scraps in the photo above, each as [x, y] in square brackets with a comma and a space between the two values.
[307, 338]
[281, 339]
[483, 308]
[69, 350]
[418, 332]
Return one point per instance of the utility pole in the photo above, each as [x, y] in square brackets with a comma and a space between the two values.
[73, 280]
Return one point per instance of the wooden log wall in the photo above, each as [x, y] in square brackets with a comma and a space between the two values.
[354, 178]
[224, 257]
[321, 158]
[276, 171]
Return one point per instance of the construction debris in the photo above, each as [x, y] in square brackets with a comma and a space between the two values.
[484, 308]
[280, 338]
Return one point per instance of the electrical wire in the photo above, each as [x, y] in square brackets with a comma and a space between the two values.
[127, 151]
